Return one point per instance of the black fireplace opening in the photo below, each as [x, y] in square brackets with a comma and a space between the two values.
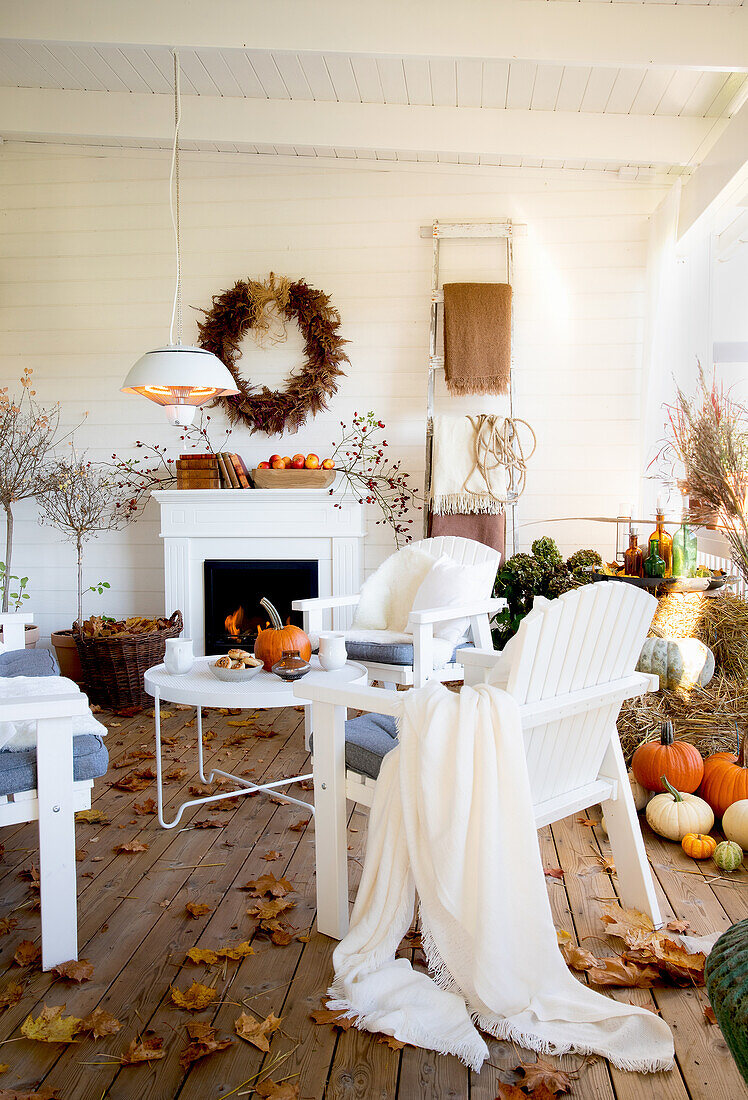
[233, 590]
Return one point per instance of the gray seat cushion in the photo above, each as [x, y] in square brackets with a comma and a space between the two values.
[392, 653]
[18, 769]
[29, 662]
[368, 739]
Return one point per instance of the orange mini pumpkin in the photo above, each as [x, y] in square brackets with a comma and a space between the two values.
[278, 639]
[725, 778]
[678, 760]
[698, 845]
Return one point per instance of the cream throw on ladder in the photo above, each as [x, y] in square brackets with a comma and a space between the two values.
[453, 820]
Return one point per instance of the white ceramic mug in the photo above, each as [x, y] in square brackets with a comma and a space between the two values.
[179, 656]
[332, 652]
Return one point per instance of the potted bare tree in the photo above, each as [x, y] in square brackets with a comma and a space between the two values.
[80, 499]
[28, 432]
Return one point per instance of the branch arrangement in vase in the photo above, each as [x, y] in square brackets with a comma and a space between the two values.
[365, 469]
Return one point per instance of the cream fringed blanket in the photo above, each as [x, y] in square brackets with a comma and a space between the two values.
[452, 818]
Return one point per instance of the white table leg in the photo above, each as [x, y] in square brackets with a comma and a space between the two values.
[330, 825]
[201, 768]
[54, 782]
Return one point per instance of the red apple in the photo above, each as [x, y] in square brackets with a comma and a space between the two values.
[328, 464]
[274, 458]
[312, 462]
[263, 465]
[286, 462]
[297, 462]
[279, 464]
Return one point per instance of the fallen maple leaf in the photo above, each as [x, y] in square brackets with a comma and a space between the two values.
[194, 999]
[330, 1016]
[677, 926]
[51, 1026]
[300, 825]
[281, 937]
[391, 1042]
[209, 823]
[268, 1090]
[607, 865]
[204, 1041]
[625, 922]
[11, 995]
[618, 972]
[587, 822]
[256, 1031]
[268, 884]
[269, 856]
[577, 958]
[92, 817]
[146, 1049]
[27, 953]
[176, 775]
[197, 909]
[553, 872]
[709, 1015]
[545, 1073]
[510, 1092]
[135, 780]
[7, 924]
[267, 908]
[146, 807]
[77, 970]
[99, 1023]
[211, 956]
[131, 847]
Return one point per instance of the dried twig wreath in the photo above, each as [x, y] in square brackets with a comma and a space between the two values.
[243, 308]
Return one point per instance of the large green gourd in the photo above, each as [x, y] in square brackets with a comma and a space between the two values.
[726, 975]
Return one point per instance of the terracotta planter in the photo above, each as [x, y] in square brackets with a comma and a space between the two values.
[32, 635]
[67, 655]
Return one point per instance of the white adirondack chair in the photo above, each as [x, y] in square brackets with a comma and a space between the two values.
[572, 666]
[53, 803]
[420, 665]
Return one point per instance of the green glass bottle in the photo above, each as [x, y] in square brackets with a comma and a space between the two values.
[654, 566]
[684, 551]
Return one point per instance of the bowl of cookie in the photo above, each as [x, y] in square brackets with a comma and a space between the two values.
[238, 664]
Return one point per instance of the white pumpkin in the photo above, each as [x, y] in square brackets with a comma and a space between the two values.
[641, 794]
[735, 823]
[679, 662]
[674, 814]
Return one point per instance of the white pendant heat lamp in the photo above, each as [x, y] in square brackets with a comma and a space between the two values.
[179, 377]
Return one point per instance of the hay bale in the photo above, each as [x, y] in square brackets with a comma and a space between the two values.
[725, 631]
[680, 615]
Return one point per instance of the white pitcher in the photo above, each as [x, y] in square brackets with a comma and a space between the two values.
[332, 653]
[179, 656]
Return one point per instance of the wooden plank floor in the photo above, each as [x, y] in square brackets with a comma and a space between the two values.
[134, 930]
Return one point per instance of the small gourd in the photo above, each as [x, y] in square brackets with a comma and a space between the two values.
[679, 662]
[728, 855]
[678, 760]
[698, 845]
[640, 794]
[675, 813]
[735, 823]
[725, 777]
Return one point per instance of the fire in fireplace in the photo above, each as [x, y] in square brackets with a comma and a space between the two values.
[233, 590]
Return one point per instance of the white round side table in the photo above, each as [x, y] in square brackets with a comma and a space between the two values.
[200, 688]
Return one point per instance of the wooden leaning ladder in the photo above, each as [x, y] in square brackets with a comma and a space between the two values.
[504, 231]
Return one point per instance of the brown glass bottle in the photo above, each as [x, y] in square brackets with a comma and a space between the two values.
[633, 559]
[665, 542]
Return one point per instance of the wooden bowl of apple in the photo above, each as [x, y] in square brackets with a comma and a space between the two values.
[299, 472]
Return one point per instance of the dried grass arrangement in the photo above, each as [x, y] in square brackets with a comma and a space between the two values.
[244, 308]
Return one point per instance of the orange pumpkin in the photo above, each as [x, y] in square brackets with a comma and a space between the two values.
[278, 639]
[698, 845]
[725, 778]
[678, 760]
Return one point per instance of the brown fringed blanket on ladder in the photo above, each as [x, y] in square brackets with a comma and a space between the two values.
[477, 337]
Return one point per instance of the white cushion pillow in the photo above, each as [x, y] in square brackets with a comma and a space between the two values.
[387, 595]
[450, 584]
[499, 674]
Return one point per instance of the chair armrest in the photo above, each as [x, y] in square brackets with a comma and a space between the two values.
[360, 697]
[466, 611]
[322, 602]
[479, 658]
[23, 709]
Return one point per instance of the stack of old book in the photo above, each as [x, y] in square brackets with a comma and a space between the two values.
[212, 471]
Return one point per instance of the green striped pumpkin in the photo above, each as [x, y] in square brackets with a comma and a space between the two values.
[726, 975]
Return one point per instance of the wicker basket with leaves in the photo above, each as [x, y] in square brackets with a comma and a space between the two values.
[115, 661]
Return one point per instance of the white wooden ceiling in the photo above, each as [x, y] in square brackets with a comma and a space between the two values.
[360, 78]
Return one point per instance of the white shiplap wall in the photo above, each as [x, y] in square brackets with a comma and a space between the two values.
[85, 246]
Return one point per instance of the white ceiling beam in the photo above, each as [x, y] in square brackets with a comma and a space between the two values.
[721, 176]
[671, 35]
[562, 135]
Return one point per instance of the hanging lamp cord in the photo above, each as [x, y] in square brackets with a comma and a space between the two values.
[176, 309]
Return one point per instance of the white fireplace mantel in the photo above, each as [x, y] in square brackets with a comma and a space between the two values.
[255, 525]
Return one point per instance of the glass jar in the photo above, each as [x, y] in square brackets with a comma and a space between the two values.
[684, 551]
[654, 566]
[633, 559]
